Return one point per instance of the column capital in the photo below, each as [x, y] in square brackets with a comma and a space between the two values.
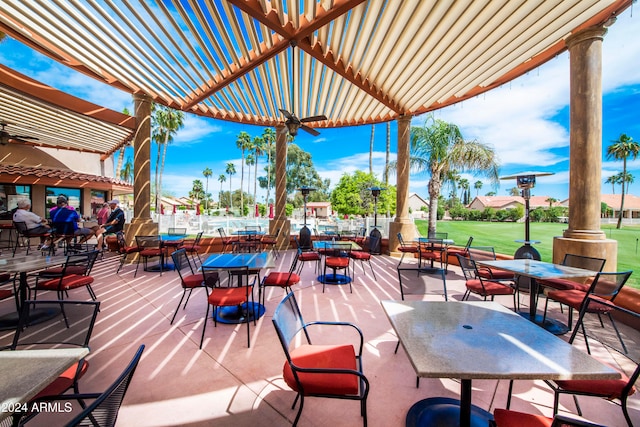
[590, 33]
[141, 97]
[404, 118]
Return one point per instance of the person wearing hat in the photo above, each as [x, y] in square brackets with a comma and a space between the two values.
[65, 220]
[114, 224]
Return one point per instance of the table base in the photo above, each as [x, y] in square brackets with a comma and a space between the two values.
[444, 412]
[554, 326]
[10, 321]
[242, 314]
[334, 279]
[156, 268]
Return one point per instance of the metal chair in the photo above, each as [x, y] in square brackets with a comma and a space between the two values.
[476, 284]
[605, 286]
[124, 250]
[337, 257]
[193, 247]
[227, 296]
[307, 255]
[363, 256]
[75, 273]
[280, 279]
[405, 248]
[333, 371]
[104, 409]
[507, 418]
[270, 241]
[22, 233]
[149, 247]
[189, 279]
[227, 242]
[55, 324]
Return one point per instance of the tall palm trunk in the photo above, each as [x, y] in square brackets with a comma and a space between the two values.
[242, 185]
[373, 129]
[162, 161]
[157, 178]
[386, 162]
[624, 175]
[230, 195]
[269, 172]
[434, 190]
[255, 183]
[119, 164]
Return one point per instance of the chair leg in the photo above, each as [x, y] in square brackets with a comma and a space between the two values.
[295, 422]
[184, 291]
[615, 327]
[509, 394]
[204, 326]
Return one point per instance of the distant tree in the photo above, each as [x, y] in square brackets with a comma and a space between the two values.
[514, 191]
[166, 122]
[197, 191]
[269, 138]
[258, 151]
[490, 194]
[207, 173]
[463, 184]
[126, 173]
[373, 131]
[352, 195]
[551, 201]
[122, 149]
[230, 170]
[613, 180]
[243, 142]
[300, 172]
[621, 149]
[478, 186]
[221, 178]
[438, 148]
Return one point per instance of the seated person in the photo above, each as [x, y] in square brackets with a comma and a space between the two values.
[65, 218]
[114, 224]
[35, 224]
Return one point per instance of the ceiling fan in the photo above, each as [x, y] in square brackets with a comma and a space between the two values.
[293, 123]
[5, 136]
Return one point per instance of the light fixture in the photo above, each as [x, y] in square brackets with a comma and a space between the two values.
[293, 128]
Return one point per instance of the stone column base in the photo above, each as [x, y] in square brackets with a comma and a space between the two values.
[605, 248]
[408, 231]
[285, 231]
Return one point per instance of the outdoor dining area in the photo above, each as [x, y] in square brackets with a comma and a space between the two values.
[215, 329]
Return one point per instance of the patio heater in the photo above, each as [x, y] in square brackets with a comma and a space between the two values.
[305, 233]
[526, 181]
[375, 249]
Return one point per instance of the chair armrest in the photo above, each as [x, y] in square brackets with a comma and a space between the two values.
[351, 325]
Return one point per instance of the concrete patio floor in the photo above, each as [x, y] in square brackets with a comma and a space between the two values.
[228, 384]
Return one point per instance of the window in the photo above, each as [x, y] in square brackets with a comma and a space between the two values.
[52, 193]
[98, 198]
[9, 196]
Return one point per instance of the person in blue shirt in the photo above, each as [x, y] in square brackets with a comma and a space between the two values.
[65, 218]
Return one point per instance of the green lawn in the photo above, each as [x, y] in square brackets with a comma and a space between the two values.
[501, 236]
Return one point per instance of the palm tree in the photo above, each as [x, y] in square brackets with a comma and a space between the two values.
[207, 173]
[613, 180]
[230, 170]
[243, 142]
[373, 130]
[551, 201]
[167, 123]
[439, 148]
[250, 161]
[269, 138]
[222, 178]
[463, 184]
[386, 161]
[478, 186]
[126, 173]
[621, 149]
[122, 150]
[258, 150]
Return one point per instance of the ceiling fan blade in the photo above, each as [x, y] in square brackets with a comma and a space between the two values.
[23, 137]
[287, 114]
[312, 131]
[314, 119]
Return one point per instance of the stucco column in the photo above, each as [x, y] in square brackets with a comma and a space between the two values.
[141, 223]
[280, 220]
[584, 235]
[402, 223]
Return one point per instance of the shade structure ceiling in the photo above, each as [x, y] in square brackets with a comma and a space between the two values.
[354, 61]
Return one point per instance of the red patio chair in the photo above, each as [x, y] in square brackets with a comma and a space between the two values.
[280, 279]
[507, 418]
[405, 248]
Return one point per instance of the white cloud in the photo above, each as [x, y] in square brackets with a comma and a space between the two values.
[196, 129]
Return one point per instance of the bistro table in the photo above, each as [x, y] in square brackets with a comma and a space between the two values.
[539, 270]
[248, 240]
[25, 373]
[479, 340]
[322, 246]
[253, 261]
[23, 265]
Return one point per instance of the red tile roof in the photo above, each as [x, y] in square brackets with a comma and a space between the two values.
[58, 174]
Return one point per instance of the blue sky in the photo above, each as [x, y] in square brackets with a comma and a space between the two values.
[526, 121]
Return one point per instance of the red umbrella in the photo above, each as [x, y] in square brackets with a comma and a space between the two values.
[271, 210]
[198, 209]
[257, 210]
[161, 209]
[174, 209]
